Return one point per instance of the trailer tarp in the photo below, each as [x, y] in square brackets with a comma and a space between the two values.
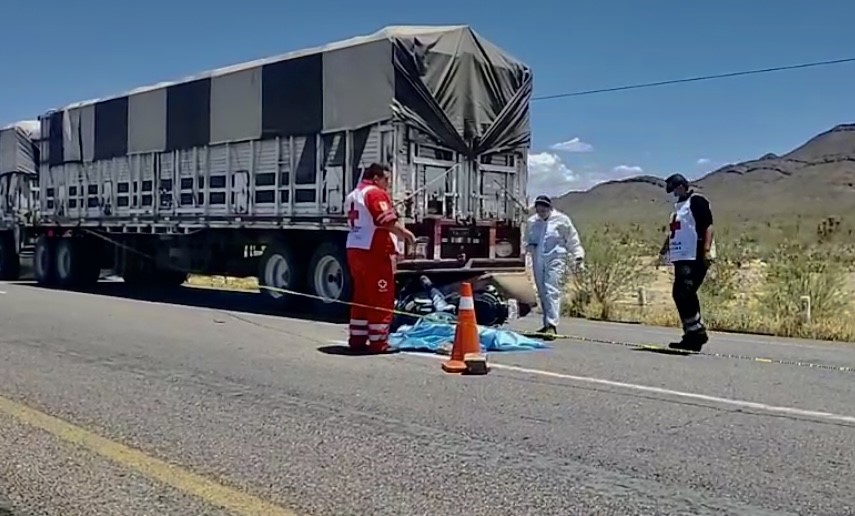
[448, 81]
[462, 90]
[18, 148]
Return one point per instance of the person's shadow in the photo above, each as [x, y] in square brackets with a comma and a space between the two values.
[347, 351]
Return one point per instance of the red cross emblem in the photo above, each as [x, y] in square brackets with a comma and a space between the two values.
[674, 227]
[352, 215]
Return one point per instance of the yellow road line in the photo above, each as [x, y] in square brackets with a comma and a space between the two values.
[211, 492]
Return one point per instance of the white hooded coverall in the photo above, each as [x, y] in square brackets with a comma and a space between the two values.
[550, 242]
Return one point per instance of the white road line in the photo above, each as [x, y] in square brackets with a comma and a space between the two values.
[659, 390]
[703, 397]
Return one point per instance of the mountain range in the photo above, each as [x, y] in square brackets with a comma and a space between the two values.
[814, 182]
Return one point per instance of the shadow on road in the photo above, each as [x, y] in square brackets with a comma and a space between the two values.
[345, 351]
[337, 350]
[244, 302]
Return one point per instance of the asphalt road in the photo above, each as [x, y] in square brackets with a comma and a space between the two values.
[118, 406]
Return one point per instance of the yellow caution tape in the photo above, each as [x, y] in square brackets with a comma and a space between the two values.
[579, 338]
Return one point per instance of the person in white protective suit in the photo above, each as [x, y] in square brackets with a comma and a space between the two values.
[551, 239]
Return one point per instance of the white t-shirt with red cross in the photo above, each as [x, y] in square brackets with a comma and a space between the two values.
[685, 233]
[369, 208]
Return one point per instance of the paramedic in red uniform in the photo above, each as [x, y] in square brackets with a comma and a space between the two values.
[372, 246]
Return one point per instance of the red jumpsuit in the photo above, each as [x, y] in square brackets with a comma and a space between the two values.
[371, 249]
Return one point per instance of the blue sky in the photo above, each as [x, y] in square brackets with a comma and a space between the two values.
[59, 52]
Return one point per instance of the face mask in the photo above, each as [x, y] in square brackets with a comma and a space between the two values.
[675, 197]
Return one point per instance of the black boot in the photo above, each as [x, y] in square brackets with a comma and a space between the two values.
[549, 332]
[546, 333]
[692, 341]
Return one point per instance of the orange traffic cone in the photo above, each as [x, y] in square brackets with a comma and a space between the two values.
[466, 351]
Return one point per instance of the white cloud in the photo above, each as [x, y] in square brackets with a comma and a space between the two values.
[704, 161]
[548, 175]
[627, 170]
[574, 145]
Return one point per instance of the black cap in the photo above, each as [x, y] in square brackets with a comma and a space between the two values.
[675, 180]
[543, 200]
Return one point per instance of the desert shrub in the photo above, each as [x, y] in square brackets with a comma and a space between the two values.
[754, 286]
[722, 284]
[615, 265]
[797, 270]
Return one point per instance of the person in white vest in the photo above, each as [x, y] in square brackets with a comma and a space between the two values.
[689, 246]
[372, 247]
[551, 238]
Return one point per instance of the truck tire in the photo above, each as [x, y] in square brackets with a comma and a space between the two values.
[278, 268]
[329, 279]
[43, 260]
[74, 263]
[10, 260]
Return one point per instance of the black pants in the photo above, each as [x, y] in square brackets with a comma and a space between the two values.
[688, 277]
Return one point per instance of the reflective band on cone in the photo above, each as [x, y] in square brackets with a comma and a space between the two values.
[466, 349]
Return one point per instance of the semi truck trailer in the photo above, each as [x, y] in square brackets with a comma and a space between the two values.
[19, 166]
[243, 171]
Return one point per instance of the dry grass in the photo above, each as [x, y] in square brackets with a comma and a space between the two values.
[742, 293]
[224, 282]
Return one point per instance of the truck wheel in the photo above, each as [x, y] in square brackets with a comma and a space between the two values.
[279, 269]
[330, 280]
[10, 260]
[43, 260]
[69, 262]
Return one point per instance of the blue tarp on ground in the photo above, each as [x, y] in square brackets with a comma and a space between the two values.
[435, 333]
